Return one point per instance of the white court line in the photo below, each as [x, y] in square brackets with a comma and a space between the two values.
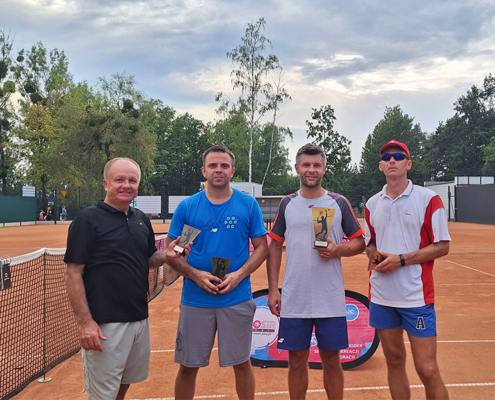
[170, 351]
[439, 341]
[473, 269]
[463, 341]
[365, 388]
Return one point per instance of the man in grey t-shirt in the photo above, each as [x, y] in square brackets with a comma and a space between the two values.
[313, 285]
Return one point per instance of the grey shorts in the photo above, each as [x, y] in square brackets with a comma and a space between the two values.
[125, 359]
[196, 334]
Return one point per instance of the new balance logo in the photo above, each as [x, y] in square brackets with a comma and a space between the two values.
[421, 323]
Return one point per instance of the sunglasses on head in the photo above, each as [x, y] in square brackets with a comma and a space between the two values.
[397, 156]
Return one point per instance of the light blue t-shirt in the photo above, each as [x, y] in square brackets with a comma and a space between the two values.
[225, 232]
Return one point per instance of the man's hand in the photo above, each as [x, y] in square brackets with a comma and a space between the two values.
[90, 335]
[230, 281]
[171, 253]
[274, 303]
[204, 280]
[329, 252]
[389, 264]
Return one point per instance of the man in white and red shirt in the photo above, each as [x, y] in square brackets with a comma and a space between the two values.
[406, 224]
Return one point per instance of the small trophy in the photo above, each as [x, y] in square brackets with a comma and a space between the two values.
[188, 235]
[322, 220]
[376, 259]
[219, 267]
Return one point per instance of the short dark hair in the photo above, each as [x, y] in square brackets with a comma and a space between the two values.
[311, 150]
[219, 148]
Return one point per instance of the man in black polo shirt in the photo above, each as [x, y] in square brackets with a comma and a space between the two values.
[110, 248]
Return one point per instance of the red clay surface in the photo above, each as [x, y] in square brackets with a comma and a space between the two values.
[465, 303]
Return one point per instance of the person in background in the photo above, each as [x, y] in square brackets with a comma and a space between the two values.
[48, 216]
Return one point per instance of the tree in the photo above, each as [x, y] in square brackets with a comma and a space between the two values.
[335, 146]
[489, 152]
[43, 83]
[42, 74]
[180, 149]
[250, 78]
[277, 97]
[98, 125]
[231, 132]
[399, 126]
[7, 113]
[271, 155]
[268, 147]
[457, 144]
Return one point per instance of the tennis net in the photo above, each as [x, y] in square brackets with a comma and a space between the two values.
[37, 327]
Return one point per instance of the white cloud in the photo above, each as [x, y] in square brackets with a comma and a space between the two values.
[358, 59]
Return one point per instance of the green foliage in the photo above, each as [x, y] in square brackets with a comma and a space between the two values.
[335, 146]
[181, 143]
[256, 97]
[8, 148]
[41, 74]
[399, 126]
[459, 142]
[489, 151]
[268, 147]
[63, 133]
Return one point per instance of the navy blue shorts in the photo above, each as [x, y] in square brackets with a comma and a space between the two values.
[296, 334]
[418, 321]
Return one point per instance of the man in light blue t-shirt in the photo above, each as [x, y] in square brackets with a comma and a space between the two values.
[227, 219]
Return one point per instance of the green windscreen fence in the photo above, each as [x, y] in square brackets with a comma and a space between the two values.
[17, 209]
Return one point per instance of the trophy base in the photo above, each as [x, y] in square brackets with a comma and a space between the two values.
[322, 244]
[178, 249]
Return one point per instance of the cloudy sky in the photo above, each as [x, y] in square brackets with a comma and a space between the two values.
[357, 56]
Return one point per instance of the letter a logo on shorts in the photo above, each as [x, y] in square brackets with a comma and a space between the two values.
[421, 323]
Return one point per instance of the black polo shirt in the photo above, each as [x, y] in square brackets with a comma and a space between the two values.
[115, 249]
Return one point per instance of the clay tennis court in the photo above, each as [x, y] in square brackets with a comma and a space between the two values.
[465, 304]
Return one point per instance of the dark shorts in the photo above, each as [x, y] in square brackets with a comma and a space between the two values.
[418, 321]
[297, 333]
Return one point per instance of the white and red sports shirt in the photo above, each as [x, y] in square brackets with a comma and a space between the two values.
[412, 221]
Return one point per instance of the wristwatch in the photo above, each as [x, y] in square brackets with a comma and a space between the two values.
[402, 261]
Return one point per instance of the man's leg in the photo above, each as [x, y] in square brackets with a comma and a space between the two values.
[333, 376]
[392, 342]
[424, 351]
[185, 383]
[244, 380]
[298, 374]
[122, 391]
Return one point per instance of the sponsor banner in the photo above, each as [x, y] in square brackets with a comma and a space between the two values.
[363, 339]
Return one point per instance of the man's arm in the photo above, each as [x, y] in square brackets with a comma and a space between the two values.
[351, 248]
[252, 264]
[428, 253]
[202, 278]
[273, 271]
[89, 331]
[161, 257]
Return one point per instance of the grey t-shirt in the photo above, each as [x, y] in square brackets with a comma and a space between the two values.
[312, 287]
